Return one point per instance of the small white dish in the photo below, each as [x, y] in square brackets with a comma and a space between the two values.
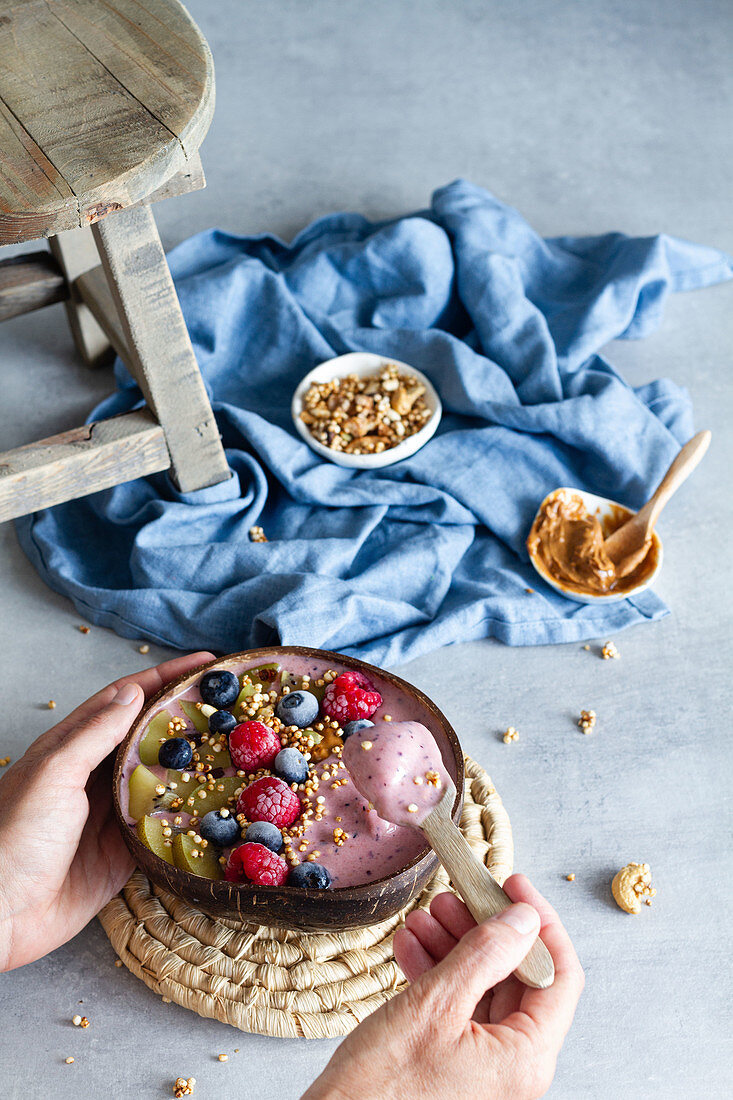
[601, 507]
[363, 363]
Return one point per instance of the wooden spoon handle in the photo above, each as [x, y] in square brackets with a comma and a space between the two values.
[482, 893]
[679, 471]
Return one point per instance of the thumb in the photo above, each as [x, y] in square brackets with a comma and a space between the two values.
[482, 958]
[88, 743]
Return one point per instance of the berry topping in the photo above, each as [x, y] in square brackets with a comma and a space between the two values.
[354, 727]
[222, 721]
[220, 829]
[253, 745]
[256, 863]
[291, 765]
[310, 876]
[298, 708]
[350, 697]
[219, 688]
[175, 753]
[269, 799]
[262, 832]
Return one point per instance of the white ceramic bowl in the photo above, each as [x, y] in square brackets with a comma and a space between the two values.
[363, 363]
[600, 506]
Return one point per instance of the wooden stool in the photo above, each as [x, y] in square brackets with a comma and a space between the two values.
[103, 107]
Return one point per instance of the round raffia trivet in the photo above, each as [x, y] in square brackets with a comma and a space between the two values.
[277, 982]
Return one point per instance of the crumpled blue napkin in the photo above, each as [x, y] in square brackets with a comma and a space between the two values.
[388, 564]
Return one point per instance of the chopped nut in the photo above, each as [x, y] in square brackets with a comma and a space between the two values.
[366, 415]
[587, 720]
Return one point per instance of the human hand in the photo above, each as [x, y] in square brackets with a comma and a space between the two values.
[465, 1026]
[61, 853]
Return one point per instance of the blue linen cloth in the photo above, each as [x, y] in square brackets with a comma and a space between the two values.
[390, 563]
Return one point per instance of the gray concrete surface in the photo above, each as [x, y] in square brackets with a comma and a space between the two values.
[588, 117]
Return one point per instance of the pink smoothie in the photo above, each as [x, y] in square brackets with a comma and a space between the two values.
[372, 847]
[398, 768]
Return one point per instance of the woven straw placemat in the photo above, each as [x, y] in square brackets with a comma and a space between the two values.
[277, 982]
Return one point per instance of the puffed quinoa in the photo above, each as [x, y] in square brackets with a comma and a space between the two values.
[256, 534]
[510, 735]
[366, 415]
[609, 652]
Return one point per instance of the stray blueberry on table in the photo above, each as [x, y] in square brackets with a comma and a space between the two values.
[354, 727]
[175, 753]
[291, 765]
[298, 708]
[310, 876]
[222, 721]
[223, 831]
[219, 688]
[262, 832]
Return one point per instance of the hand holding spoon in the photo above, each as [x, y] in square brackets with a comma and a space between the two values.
[629, 543]
[399, 769]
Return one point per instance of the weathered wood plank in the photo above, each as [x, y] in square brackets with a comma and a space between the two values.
[81, 461]
[94, 291]
[76, 253]
[101, 102]
[166, 67]
[30, 282]
[160, 351]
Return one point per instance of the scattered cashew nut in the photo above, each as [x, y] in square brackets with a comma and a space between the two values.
[632, 885]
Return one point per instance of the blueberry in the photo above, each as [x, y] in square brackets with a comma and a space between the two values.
[222, 721]
[298, 708]
[310, 876]
[262, 832]
[352, 727]
[223, 831]
[175, 753]
[219, 688]
[291, 765]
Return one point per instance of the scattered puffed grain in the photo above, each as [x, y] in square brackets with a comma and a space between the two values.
[510, 734]
[52, 704]
[76, 1020]
[144, 649]
[69, 1061]
[570, 877]
[223, 1057]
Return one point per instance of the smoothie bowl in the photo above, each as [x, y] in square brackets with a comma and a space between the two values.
[231, 792]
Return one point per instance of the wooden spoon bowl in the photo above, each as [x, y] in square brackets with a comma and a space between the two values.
[287, 906]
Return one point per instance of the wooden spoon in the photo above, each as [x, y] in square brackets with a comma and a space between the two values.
[629, 543]
[480, 891]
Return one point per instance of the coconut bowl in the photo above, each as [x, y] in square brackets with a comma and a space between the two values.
[334, 909]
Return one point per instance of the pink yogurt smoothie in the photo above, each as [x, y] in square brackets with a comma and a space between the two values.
[374, 847]
[398, 768]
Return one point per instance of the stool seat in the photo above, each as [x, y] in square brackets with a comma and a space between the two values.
[101, 103]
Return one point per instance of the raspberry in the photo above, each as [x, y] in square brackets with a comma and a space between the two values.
[349, 698]
[253, 745]
[269, 799]
[256, 863]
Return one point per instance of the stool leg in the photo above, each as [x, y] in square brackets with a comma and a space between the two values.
[160, 351]
[76, 253]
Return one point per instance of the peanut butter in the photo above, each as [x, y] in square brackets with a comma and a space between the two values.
[567, 542]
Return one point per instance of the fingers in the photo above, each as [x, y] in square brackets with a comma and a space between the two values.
[150, 680]
[452, 914]
[482, 958]
[431, 934]
[90, 741]
[552, 1009]
[412, 958]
